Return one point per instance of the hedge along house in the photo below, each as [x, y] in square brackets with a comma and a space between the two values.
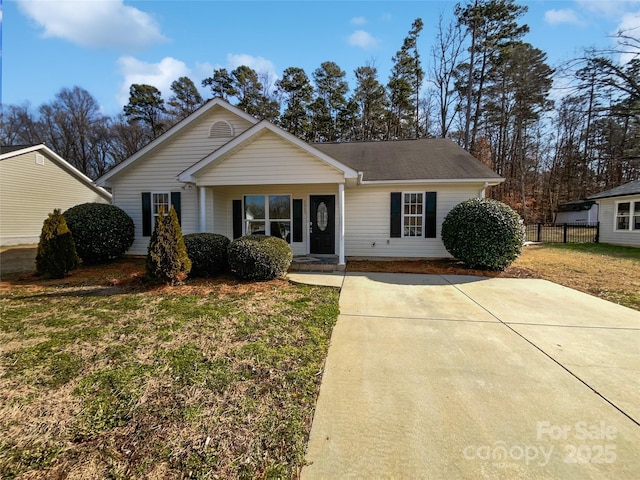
[226, 172]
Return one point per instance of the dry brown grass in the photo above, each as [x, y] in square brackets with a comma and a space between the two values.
[609, 273]
[109, 377]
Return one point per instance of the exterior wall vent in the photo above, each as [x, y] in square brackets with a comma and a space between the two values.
[39, 159]
[221, 129]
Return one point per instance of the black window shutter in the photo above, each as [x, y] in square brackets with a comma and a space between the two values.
[396, 214]
[430, 224]
[175, 202]
[237, 218]
[146, 214]
[297, 220]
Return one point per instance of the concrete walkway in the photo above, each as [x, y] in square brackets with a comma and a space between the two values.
[17, 258]
[464, 377]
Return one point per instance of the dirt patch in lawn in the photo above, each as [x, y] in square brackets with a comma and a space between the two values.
[128, 275]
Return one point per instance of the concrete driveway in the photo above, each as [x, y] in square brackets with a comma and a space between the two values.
[434, 376]
[17, 258]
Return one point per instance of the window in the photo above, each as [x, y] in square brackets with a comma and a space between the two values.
[622, 216]
[151, 205]
[413, 214]
[159, 201]
[412, 205]
[268, 215]
[636, 216]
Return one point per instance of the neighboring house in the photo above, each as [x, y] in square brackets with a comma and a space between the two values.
[228, 173]
[578, 211]
[34, 181]
[620, 214]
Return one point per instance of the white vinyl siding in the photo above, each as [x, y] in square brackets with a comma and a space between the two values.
[157, 172]
[367, 217]
[29, 191]
[266, 160]
[608, 222]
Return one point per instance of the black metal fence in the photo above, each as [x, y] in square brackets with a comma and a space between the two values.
[563, 233]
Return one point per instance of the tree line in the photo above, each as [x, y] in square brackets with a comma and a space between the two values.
[480, 85]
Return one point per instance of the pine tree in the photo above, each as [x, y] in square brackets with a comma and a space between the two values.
[330, 101]
[167, 259]
[146, 105]
[404, 87]
[371, 99]
[56, 251]
[185, 99]
[297, 92]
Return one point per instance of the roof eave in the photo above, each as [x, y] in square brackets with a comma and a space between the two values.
[598, 197]
[488, 181]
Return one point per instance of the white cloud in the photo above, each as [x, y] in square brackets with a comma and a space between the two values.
[95, 23]
[629, 26]
[362, 39]
[565, 15]
[608, 8]
[358, 20]
[160, 75]
[259, 64]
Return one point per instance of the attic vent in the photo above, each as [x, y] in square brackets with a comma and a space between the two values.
[221, 129]
[39, 159]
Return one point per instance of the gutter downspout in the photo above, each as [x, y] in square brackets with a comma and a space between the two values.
[484, 190]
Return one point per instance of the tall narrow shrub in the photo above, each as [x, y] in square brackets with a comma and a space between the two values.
[167, 259]
[56, 254]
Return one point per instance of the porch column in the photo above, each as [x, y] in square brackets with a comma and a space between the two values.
[341, 259]
[203, 210]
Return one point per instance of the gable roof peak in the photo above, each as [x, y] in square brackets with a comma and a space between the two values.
[175, 129]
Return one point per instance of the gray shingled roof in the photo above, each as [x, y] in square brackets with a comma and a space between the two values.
[422, 159]
[12, 148]
[631, 188]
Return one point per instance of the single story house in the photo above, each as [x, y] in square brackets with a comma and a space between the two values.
[620, 214]
[229, 173]
[578, 211]
[34, 181]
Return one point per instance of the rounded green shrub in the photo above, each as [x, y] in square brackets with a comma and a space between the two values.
[167, 258]
[208, 253]
[258, 257]
[56, 254]
[483, 233]
[101, 231]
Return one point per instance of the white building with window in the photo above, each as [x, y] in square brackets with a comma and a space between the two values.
[619, 214]
[226, 172]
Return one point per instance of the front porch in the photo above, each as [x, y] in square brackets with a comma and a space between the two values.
[316, 263]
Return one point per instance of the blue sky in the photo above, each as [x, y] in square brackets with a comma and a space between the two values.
[105, 45]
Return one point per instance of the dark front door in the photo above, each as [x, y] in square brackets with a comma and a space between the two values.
[323, 224]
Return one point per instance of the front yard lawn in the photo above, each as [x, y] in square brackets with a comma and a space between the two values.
[607, 271]
[104, 377]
